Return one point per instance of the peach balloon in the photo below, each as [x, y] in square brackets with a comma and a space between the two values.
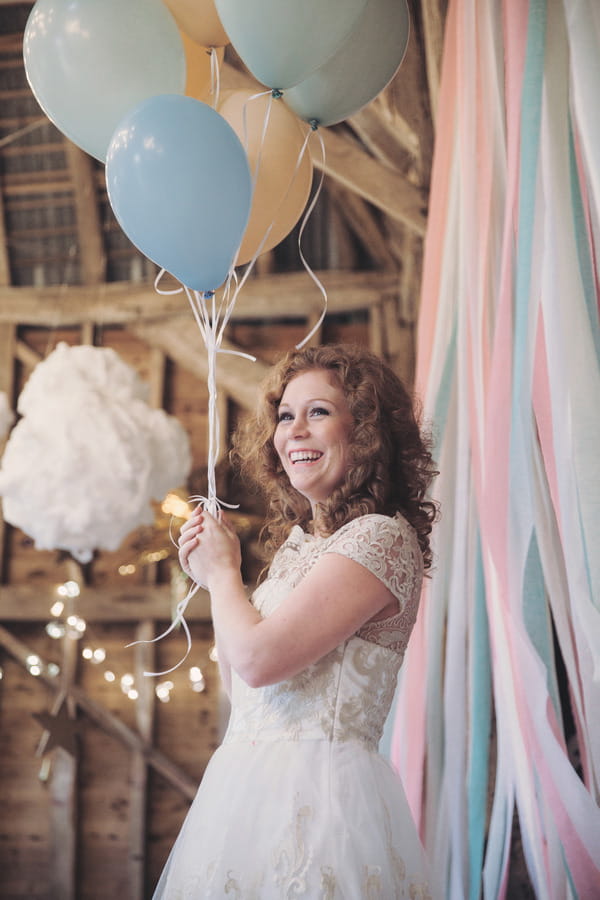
[198, 68]
[200, 21]
[280, 192]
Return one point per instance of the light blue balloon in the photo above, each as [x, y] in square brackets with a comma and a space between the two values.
[359, 70]
[179, 184]
[89, 61]
[283, 41]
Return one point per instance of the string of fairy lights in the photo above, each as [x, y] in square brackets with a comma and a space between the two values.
[75, 627]
[65, 623]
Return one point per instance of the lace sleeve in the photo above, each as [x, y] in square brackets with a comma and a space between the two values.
[388, 548]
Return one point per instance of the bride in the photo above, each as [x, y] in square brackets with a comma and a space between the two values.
[297, 802]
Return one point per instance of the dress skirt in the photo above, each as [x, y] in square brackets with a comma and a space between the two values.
[314, 819]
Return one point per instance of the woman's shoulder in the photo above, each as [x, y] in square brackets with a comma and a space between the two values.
[376, 525]
[387, 546]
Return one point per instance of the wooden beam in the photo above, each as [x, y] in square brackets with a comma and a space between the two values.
[390, 192]
[25, 603]
[360, 219]
[89, 228]
[239, 377]
[63, 790]
[389, 137]
[107, 721]
[285, 295]
[8, 340]
[145, 661]
[4, 258]
[433, 39]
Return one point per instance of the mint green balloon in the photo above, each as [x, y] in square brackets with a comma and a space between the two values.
[359, 70]
[283, 41]
[89, 61]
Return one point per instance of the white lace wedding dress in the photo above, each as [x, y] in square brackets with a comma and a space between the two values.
[297, 802]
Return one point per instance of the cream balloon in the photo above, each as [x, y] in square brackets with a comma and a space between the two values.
[281, 186]
[198, 82]
[200, 21]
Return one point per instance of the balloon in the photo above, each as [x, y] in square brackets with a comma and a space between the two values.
[200, 21]
[280, 192]
[89, 61]
[198, 68]
[179, 184]
[283, 41]
[359, 70]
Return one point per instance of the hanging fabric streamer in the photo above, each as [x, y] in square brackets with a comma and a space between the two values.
[504, 663]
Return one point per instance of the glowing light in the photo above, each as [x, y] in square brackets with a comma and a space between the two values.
[196, 674]
[127, 570]
[132, 694]
[87, 652]
[53, 669]
[163, 691]
[35, 670]
[57, 608]
[127, 682]
[156, 555]
[99, 655]
[212, 654]
[68, 589]
[175, 506]
[55, 630]
[109, 676]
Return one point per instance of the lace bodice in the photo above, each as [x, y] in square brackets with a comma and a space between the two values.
[347, 694]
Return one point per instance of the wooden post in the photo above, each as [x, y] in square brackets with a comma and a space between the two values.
[63, 782]
[144, 717]
[7, 385]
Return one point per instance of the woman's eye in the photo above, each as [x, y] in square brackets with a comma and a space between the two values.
[284, 417]
[319, 411]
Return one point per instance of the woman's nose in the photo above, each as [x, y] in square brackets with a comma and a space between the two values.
[300, 426]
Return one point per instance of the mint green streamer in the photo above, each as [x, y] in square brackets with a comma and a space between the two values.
[480, 727]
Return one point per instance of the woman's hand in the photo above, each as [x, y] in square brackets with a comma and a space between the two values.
[208, 547]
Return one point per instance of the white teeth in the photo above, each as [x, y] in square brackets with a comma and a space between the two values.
[304, 455]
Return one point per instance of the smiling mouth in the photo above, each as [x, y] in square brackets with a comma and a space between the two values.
[300, 456]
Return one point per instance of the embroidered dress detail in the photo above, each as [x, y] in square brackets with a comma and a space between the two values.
[297, 803]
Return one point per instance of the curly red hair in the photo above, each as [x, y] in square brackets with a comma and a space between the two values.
[391, 466]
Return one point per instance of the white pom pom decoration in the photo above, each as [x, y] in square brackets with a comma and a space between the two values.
[82, 465]
[7, 417]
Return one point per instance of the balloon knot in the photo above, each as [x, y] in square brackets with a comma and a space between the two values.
[276, 94]
[209, 294]
[314, 124]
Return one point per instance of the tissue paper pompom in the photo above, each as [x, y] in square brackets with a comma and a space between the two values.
[82, 465]
[7, 417]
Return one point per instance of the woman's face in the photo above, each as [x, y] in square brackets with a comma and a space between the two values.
[313, 434]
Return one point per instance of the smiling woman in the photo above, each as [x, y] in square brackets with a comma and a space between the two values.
[312, 436]
[311, 660]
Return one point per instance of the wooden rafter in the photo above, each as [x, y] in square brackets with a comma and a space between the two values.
[274, 296]
[89, 229]
[433, 38]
